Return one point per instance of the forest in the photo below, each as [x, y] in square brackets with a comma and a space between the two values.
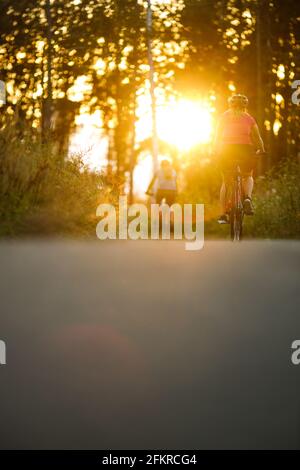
[149, 80]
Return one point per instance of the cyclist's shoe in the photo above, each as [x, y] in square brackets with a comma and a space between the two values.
[248, 206]
[223, 219]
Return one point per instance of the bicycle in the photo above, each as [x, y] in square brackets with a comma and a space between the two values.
[235, 205]
[235, 202]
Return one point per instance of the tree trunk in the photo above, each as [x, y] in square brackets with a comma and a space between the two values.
[152, 88]
[132, 149]
[47, 111]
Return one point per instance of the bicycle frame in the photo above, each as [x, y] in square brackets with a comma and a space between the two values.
[236, 211]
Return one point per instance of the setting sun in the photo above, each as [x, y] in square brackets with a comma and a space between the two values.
[185, 124]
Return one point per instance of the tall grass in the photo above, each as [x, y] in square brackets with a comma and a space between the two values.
[45, 193]
[277, 203]
[42, 192]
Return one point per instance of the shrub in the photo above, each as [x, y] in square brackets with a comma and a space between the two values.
[277, 204]
[276, 201]
[42, 192]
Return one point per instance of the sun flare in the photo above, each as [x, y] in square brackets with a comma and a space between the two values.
[183, 123]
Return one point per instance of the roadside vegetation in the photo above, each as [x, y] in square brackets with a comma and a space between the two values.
[44, 193]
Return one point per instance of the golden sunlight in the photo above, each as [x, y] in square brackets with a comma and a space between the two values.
[88, 140]
[183, 123]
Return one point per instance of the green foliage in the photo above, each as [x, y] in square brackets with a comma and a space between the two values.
[277, 203]
[200, 48]
[202, 180]
[276, 200]
[43, 193]
[46, 46]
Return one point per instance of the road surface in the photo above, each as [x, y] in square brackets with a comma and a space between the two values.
[128, 345]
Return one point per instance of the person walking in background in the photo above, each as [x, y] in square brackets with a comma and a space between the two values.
[163, 185]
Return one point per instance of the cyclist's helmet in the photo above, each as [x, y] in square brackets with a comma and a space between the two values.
[238, 101]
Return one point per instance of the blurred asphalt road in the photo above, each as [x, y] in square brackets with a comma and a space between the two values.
[127, 345]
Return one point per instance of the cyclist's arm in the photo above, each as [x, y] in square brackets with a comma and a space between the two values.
[151, 184]
[256, 139]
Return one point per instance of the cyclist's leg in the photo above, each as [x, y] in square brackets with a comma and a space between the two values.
[170, 196]
[224, 218]
[159, 196]
[248, 184]
[226, 165]
[247, 167]
[224, 192]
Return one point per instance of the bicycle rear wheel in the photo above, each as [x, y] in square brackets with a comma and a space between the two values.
[236, 224]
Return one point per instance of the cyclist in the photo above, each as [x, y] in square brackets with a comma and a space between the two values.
[164, 184]
[236, 141]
